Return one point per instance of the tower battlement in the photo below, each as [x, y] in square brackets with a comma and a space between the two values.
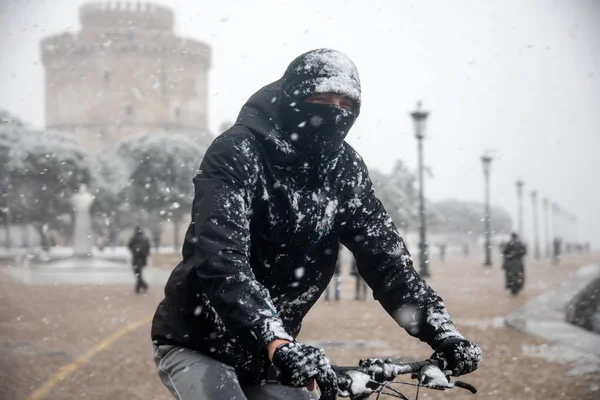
[69, 45]
[125, 72]
[125, 15]
[124, 28]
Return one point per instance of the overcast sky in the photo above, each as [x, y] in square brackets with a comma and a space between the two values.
[520, 77]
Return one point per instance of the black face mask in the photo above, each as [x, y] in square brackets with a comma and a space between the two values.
[317, 130]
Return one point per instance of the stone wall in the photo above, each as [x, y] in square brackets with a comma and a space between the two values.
[125, 72]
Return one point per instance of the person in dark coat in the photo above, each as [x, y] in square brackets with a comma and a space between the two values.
[514, 267]
[443, 247]
[275, 195]
[336, 282]
[360, 287]
[139, 246]
[556, 250]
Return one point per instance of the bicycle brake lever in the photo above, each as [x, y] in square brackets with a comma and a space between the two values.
[465, 385]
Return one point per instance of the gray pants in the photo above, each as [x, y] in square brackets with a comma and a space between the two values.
[190, 375]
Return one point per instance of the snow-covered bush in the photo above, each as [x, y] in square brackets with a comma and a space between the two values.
[160, 168]
[42, 170]
[110, 212]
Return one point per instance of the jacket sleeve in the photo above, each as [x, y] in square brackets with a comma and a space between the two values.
[386, 265]
[224, 189]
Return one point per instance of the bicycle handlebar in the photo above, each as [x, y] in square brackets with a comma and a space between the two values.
[397, 369]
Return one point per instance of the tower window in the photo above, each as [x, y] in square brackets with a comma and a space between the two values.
[129, 109]
[177, 111]
[106, 76]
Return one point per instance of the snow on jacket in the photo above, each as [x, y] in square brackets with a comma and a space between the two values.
[263, 243]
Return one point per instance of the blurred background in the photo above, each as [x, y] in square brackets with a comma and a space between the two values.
[106, 110]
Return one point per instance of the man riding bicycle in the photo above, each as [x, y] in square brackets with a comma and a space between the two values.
[274, 196]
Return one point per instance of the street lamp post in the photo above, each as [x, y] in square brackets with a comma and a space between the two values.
[555, 234]
[4, 191]
[569, 218]
[546, 228]
[520, 184]
[486, 161]
[558, 226]
[570, 232]
[8, 242]
[536, 243]
[419, 117]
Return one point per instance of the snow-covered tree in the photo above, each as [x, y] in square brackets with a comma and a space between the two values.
[160, 168]
[10, 131]
[467, 217]
[398, 193]
[44, 169]
[110, 212]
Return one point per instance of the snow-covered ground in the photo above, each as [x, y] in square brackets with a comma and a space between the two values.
[120, 252]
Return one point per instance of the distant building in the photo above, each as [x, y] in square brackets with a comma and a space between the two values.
[125, 72]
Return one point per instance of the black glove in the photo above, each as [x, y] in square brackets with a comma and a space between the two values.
[300, 363]
[457, 355]
[380, 370]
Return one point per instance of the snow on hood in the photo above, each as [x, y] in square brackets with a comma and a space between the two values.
[338, 73]
[260, 115]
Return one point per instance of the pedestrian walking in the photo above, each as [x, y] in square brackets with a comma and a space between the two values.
[556, 250]
[139, 246]
[336, 281]
[443, 247]
[360, 288]
[514, 268]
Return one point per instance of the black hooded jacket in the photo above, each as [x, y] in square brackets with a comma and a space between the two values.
[263, 243]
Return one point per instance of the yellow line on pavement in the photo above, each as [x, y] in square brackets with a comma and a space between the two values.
[41, 392]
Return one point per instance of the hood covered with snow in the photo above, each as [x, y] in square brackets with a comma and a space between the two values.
[292, 130]
[260, 115]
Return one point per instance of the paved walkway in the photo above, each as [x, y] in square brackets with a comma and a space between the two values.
[87, 334]
[71, 272]
[544, 316]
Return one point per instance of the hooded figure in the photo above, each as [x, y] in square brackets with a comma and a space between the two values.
[139, 246]
[318, 129]
[275, 195]
[514, 267]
